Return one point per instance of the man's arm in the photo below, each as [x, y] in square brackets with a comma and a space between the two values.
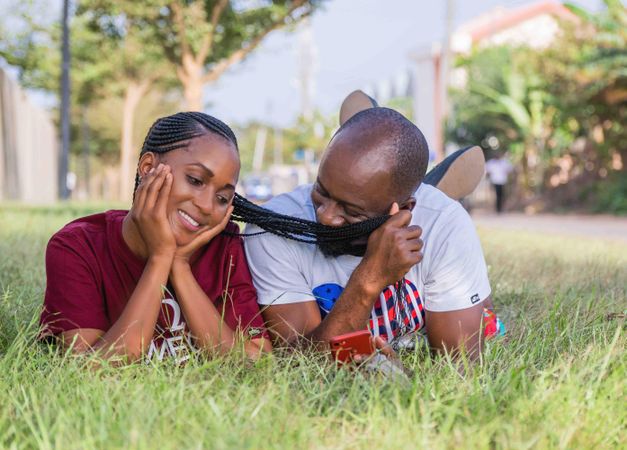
[392, 250]
[457, 288]
[289, 323]
[458, 331]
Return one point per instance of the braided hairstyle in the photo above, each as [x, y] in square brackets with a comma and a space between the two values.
[176, 131]
[332, 241]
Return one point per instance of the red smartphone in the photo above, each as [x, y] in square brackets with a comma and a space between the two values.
[344, 346]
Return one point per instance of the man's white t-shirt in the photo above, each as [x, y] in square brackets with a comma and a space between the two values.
[498, 169]
[451, 276]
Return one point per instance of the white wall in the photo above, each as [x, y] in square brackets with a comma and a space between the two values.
[28, 148]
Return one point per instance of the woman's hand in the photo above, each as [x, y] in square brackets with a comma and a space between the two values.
[205, 235]
[149, 212]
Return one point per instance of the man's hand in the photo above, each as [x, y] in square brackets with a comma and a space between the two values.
[393, 249]
[149, 212]
[205, 235]
[385, 360]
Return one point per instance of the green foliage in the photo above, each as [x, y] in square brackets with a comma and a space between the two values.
[304, 134]
[311, 134]
[536, 104]
[557, 380]
[477, 113]
[30, 42]
[608, 195]
[126, 45]
[110, 47]
[239, 24]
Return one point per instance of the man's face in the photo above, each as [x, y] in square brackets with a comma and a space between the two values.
[353, 185]
[203, 185]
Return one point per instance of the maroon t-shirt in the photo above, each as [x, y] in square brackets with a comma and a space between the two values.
[91, 274]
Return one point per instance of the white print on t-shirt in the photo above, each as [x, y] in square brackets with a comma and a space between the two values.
[173, 341]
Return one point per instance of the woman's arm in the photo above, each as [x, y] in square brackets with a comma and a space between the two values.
[132, 333]
[205, 321]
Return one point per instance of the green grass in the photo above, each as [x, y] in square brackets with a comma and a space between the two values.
[557, 381]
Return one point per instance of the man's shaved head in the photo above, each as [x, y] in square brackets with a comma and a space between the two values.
[383, 136]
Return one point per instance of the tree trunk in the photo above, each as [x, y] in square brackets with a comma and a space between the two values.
[128, 153]
[191, 76]
[193, 94]
[85, 150]
[526, 164]
[64, 192]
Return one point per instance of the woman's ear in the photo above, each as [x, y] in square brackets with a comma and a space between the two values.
[146, 162]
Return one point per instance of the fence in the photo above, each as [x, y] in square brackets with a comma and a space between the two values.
[28, 147]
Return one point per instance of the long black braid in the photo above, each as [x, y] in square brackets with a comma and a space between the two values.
[175, 132]
[300, 229]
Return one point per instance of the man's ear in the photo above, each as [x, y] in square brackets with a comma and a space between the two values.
[146, 162]
[408, 204]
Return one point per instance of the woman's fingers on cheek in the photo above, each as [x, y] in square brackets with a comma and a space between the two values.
[227, 217]
[147, 179]
[225, 220]
[140, 193]
[156, 186]
[164, 193]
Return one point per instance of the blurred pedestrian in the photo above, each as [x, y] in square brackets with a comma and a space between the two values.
[498, 170]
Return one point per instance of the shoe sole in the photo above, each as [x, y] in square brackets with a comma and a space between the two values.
[462, 175]
[355, 102]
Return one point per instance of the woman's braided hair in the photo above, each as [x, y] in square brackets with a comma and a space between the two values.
[300, 229]
[176, 131]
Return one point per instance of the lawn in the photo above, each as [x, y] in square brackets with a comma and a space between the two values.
[556, 381]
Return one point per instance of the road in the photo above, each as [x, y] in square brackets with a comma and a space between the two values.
[595, 226]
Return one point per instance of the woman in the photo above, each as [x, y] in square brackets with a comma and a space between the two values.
[161, 279]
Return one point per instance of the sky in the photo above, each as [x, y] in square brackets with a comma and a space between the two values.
[358, 43]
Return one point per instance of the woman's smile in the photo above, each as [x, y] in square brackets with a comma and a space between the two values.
[188, 221]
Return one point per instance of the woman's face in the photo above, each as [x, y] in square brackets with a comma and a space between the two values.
[204, 176]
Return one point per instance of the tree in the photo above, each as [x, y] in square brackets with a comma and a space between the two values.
[561, 109]
[591, 68]
[134, 62]
[203, 38]
[127, 49]
[508, 104]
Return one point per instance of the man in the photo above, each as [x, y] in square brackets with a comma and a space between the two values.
[498, 170]
[422, 269]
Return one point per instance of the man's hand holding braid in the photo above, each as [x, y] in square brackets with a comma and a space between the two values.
[393, 249]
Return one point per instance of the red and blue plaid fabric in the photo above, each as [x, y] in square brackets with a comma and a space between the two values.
[389, 320]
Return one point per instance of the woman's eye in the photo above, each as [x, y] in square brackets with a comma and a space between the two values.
[194, 181]
[223, 200]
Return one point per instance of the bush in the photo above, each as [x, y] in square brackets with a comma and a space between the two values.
[610, 194]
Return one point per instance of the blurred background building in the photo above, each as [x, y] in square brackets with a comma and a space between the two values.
[28, 147]
[534, 25]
